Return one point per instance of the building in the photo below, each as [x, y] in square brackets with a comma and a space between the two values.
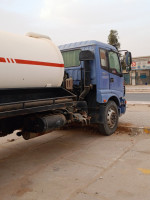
[140, 71]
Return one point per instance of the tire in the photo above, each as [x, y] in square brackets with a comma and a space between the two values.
[110, 119]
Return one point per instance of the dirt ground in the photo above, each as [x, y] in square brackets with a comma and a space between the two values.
[78, 164]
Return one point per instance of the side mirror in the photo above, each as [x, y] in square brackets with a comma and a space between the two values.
[128, 58]
[86, 55]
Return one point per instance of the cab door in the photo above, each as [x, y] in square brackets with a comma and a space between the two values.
[115, 72]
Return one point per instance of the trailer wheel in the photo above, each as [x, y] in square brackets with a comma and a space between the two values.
[110, 119]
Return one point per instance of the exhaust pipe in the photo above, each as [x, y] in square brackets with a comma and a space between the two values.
[43, 125]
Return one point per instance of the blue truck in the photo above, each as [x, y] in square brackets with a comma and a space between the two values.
[92, 92]
[95, 73]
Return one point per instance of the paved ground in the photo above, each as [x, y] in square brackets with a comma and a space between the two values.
[138, 97]
[136, 116]
[79, 164]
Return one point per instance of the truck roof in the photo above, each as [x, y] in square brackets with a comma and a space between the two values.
[86, 43]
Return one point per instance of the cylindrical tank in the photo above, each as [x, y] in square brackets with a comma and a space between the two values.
[29, 61]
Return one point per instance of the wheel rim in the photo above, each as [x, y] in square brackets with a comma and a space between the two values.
[111, 117]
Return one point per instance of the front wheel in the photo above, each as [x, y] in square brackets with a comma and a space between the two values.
[110, 119]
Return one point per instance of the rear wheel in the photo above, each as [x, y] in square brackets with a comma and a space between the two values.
[110, 119]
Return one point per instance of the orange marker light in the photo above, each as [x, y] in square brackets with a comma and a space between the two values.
[104, 100]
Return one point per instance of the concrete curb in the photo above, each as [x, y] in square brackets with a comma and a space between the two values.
[137, 92]
[136, 89]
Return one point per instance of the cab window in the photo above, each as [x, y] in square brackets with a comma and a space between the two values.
[103, 59]
[71, 58]
[114, 64]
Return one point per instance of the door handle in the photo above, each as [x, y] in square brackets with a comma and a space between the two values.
[111, 80]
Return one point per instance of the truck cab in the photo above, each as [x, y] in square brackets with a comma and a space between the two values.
[96, 74]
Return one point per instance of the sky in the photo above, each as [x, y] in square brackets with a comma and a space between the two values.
[66, 21]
